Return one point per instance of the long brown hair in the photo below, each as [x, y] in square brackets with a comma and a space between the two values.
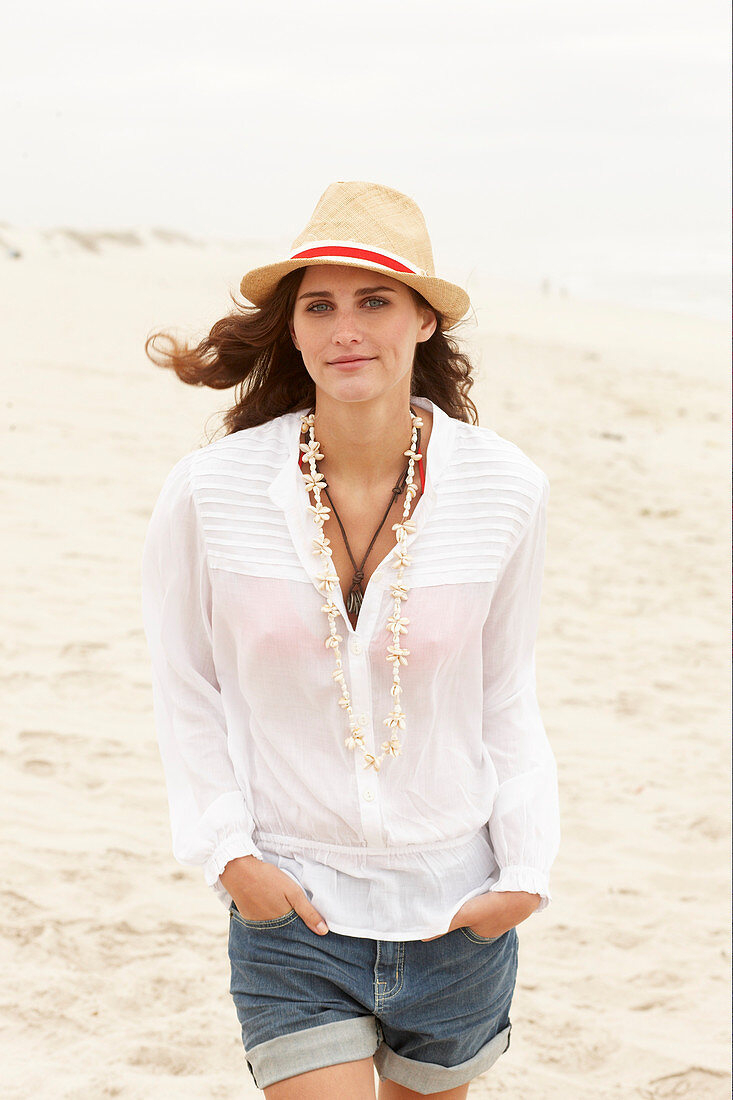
[251, 348]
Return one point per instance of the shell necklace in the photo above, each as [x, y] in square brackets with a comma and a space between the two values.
[328, 580]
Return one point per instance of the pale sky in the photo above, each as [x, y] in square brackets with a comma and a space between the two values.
[537, 137]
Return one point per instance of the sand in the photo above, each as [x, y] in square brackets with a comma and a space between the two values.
[115, 974]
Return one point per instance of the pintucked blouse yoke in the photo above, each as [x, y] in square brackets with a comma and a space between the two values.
[250, 732]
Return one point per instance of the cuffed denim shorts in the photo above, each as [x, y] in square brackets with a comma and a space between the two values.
[433, 1014]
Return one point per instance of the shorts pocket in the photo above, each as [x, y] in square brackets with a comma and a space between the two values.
[475, 938]
[272, 922]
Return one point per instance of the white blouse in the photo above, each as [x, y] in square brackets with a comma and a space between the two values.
[250, 731]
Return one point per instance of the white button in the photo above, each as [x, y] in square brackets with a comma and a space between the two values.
[363, 719]
[368, 795]
[356, 648]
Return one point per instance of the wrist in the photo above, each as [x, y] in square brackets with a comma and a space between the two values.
[519, 903]
[240, 867]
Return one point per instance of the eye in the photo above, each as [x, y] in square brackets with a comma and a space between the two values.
[323, 307]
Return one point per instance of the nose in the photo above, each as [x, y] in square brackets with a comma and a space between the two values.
[346, 328]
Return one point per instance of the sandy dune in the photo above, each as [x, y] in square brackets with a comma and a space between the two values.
[115, 976]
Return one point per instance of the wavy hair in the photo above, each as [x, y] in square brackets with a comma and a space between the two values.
[251, 349]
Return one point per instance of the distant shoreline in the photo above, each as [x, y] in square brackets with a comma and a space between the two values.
[703, 293]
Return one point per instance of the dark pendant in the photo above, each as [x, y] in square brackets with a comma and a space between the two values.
[354, 601]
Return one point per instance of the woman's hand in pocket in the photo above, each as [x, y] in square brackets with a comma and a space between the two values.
[493, 913]
[262, 891]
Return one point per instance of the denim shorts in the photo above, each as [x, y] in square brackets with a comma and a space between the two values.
[433, 1014]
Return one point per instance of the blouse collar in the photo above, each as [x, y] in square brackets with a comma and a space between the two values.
[284, 489]
[288, 492]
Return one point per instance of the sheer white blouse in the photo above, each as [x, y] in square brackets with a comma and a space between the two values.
[250, 731]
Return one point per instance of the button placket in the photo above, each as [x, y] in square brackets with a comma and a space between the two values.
[370, 812]
[367, 780]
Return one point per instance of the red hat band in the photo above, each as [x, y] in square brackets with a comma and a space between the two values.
[335, 249]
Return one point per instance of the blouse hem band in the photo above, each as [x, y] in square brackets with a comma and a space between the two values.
[527, 879]
[277, 842]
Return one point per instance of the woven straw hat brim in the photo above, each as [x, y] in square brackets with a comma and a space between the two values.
[451, 300]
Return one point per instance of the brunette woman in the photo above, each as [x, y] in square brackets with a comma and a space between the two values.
[341, 597]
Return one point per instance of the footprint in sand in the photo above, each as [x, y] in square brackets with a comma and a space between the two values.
[160, 1059]
[697, 1083]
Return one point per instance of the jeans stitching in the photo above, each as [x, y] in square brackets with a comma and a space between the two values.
[274, 922]
[377, 982]
[383, 994]
[399, 972]
[475, 938]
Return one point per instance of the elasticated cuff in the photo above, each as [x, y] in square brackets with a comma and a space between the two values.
[528, 879]
[234, 846]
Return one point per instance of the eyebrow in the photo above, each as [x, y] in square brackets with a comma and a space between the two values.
[328, 294]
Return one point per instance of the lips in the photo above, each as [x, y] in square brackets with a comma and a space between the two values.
[345, 360]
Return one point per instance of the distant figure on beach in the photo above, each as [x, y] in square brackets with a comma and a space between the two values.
[341, 599]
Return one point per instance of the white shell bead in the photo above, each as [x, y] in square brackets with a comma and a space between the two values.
[327, 581]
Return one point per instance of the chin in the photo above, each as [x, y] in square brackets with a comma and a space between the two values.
[352, 391]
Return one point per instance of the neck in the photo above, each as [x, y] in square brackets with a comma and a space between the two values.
[362, 443]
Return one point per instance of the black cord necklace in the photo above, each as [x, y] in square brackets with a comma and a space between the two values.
[355, 596]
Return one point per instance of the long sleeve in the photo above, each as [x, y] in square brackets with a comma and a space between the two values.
[210, 821]
[524, 825]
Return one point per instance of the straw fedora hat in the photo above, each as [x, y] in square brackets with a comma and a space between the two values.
[358, 224]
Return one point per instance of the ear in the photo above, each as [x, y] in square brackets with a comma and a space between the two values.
[428, 325]
[293, 336]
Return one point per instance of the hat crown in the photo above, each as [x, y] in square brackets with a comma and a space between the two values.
[371, 216]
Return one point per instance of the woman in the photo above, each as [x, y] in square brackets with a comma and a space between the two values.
[341, 598]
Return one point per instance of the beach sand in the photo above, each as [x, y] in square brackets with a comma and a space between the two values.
[114, 962]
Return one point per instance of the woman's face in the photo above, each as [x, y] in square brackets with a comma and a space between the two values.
[357, 330]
